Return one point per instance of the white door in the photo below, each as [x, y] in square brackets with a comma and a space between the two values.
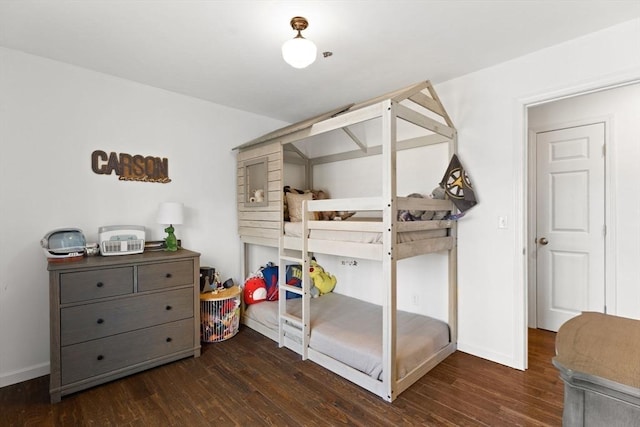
[570, 223]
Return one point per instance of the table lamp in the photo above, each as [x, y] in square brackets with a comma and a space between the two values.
[170, 213]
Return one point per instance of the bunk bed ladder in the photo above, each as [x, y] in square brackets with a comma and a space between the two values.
[293, 330]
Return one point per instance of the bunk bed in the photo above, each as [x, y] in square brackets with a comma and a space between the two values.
[331, 330]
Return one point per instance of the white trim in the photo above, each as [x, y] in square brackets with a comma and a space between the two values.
[612, 82]
[532, 318]
[520, 341]
[610, 253]
[488, 354]
[25, 374]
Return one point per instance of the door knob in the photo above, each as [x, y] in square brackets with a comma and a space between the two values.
[543, 241]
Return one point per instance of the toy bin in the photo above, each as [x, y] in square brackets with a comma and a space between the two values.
[219, 314]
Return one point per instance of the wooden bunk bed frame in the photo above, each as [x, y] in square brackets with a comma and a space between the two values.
[261, 222]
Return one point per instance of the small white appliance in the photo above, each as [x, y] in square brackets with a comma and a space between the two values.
[63, 243]
[121, 239]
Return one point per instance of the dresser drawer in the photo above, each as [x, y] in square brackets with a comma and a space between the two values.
[165, 275]
[101, 319]
[97, 357]
[88, 285]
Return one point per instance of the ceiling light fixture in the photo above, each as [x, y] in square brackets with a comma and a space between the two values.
[299, 52]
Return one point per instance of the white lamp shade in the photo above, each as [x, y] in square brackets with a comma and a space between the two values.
[170, 213]
[299, 52]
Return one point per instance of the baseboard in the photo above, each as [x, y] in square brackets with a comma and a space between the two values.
[483, 353]
[26, 374]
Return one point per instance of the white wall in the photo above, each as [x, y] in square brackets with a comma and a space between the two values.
[620, 107]
[488, 108]
[53, 116]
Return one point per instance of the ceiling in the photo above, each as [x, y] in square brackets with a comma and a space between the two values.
[228, 52]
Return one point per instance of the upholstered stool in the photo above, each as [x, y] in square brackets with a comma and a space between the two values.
[598, 356]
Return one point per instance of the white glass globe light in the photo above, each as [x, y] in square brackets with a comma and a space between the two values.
[299, 52]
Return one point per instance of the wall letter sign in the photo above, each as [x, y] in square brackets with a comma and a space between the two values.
[131, 168]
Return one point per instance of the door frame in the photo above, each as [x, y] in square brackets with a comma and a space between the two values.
[521, 209]
[609, 199]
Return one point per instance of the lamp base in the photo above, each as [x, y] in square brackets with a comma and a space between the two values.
[171, 243]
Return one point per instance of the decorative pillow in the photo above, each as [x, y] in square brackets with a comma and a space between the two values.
[270, 275]
[285, 209]
[294, 278]
[294, 204]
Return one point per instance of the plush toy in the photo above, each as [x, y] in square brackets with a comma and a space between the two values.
[329, 215]
[415, 215]
[255, 290]
[419, 215]
[317, 195]
[322, 280]
[294, 278]
[439, 193]
[257, 197]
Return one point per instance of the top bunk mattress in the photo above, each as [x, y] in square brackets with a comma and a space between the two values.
[294, 229]
[350, 331]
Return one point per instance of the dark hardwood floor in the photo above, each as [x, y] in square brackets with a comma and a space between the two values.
[248, 381]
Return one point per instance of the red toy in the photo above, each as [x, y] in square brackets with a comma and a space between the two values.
[255, 290]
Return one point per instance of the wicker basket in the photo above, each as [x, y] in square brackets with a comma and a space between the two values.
[219, 314]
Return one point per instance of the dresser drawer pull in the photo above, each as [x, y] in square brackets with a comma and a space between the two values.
[168, 307]
[100, 321]
[100, 357]
[169, 339]
[99, 284]
[168, 276]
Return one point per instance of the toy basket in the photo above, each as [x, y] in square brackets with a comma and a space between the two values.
[219, 314]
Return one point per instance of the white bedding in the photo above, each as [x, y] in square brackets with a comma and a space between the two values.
[294, 229]
[350, 331]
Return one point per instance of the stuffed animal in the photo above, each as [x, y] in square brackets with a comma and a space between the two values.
[322, 280]
[329, 215]
[419, 215]
[317, 195]
[259, 195]
[294, 278]
[255, 290]
[415, 215]
[314, 292]
[439, 193]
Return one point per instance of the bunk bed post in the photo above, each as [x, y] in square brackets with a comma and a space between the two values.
[389, 263]
[453, 263]
[244, 261]
[308, 174]
[306, 283]
[282, 294]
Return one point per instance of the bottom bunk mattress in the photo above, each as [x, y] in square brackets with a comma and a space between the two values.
[350, 330]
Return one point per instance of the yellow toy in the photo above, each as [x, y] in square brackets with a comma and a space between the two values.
[322, 280]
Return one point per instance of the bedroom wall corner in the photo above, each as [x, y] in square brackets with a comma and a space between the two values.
[487, 108]
[52, 117]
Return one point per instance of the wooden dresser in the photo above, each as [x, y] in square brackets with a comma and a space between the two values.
[117, 315]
